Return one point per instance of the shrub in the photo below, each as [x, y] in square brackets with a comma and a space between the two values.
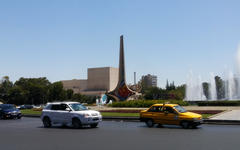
[146, 103]
[219, 103]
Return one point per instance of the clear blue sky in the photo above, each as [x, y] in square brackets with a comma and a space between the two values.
[60, 39]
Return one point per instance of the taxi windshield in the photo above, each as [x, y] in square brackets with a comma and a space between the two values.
[180, 109]
[78, 107]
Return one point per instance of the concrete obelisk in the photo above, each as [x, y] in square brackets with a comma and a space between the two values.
[121, 92]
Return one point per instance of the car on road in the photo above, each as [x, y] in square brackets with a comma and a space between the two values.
[9, 111]
[170, 114]
[26, 107]
[69, 113]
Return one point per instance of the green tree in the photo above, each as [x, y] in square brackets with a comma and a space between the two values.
[36, 89]
[56, 92]
[5, 87]
[171, 86]
[18, 96]
[167, 85]
[69, 93]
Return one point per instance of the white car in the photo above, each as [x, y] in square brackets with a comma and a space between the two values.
[69, 113]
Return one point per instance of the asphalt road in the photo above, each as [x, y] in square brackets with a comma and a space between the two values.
[29, 134]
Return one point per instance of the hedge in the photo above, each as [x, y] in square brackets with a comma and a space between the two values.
[146, 103]
[219, 103]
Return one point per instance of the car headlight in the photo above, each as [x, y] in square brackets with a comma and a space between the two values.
[195, 119]
[86, 115]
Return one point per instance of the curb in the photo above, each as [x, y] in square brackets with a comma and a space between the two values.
[31, 116]
[221, 122]
[132, 119]
[136, 119]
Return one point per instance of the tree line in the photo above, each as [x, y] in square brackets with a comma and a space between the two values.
[171, 92]
[37, 91]
[40, 91]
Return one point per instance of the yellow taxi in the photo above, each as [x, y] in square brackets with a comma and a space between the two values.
[170, 114]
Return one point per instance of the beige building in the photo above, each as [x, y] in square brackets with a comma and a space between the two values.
[76, 85]
[99, 81]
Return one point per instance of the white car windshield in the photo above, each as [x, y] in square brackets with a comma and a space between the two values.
[78, 107]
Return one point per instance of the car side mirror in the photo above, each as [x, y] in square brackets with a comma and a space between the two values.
[68, 109]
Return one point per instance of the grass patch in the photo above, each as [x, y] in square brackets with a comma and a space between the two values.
[205, 116]
[30, 112]
[115, 114]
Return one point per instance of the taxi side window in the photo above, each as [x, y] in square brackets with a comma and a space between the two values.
[155, 109]
[168, 109]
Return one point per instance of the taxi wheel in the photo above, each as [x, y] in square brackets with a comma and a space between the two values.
[185, 124]
[160, 125]
[194, 126]
[149, 123]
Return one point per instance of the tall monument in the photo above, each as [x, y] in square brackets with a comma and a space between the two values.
[121, 92]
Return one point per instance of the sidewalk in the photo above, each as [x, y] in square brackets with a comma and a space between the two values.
[227, 115]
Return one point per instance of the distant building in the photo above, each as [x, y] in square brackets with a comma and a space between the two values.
[100, 81]
[76, 85]
[149, 81]
[102, 78]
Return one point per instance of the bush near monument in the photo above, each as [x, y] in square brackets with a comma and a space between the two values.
[146, 103]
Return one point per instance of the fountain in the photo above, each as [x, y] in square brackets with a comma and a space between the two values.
[194, 89]
[212, 88]
[230, 86]
[231, 90]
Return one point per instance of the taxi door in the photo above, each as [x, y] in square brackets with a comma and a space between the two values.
[149, 113]
[170, 116]
[158, 114]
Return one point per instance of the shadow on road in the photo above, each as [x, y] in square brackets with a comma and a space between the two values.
[68, 127]
[169, 127]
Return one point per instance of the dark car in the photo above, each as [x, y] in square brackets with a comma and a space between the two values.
[26, 107]
[9, 111]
